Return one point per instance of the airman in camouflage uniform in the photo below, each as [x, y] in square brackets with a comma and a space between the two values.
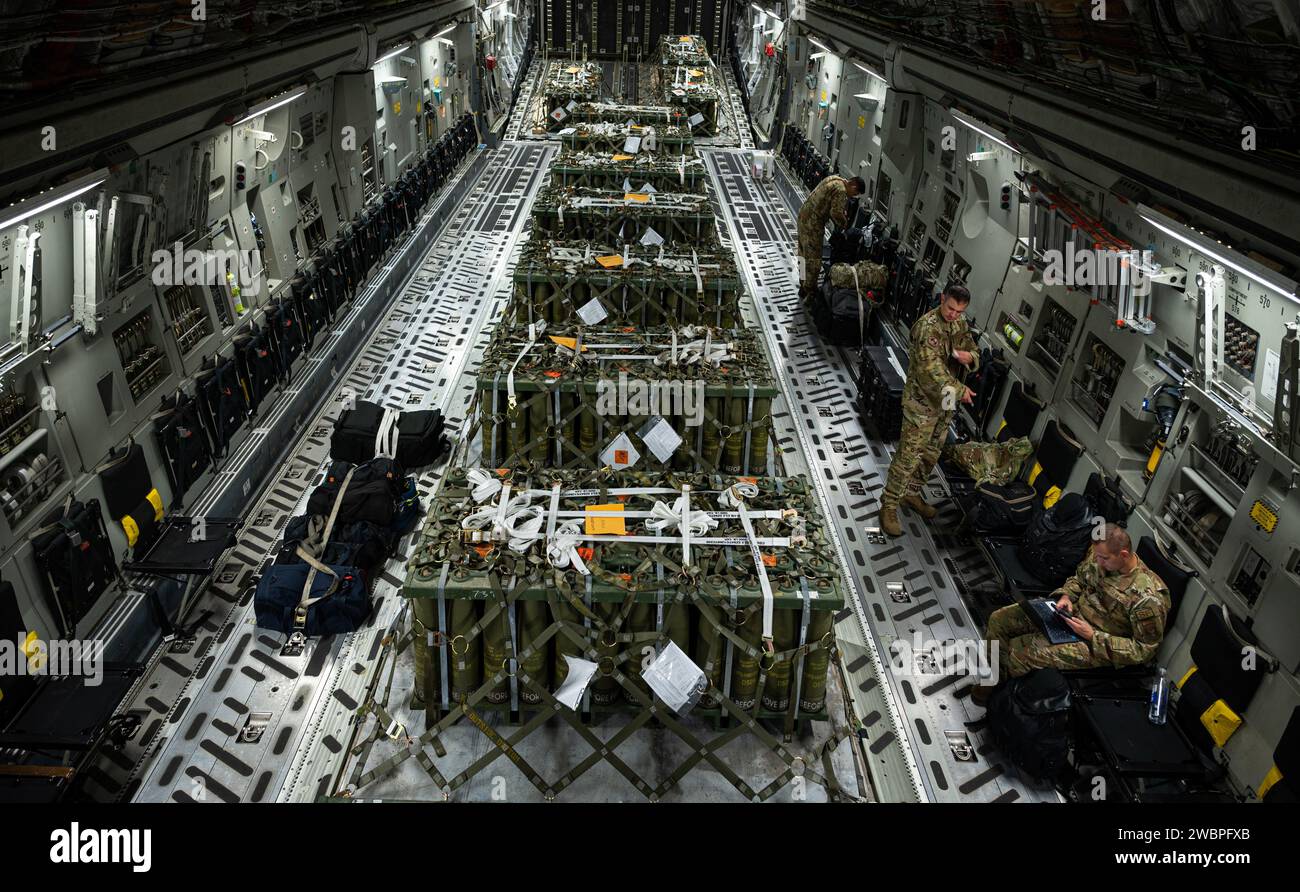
[826, 203]
[940, 345]
[1119, 608]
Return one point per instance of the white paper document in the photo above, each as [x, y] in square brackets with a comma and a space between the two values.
[575, 683]
[620, 453]
[674, 678]
[660, 438]
[592, 312]
[650, 238]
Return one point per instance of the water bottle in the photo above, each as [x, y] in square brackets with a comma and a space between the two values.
[1159, 711]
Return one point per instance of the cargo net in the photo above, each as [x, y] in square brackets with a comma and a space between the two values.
[643, 215]
[569, 281]
[566, 85]
[626, 136]
[612, 399]
[540, 597]
[686, 78]
[618, 170]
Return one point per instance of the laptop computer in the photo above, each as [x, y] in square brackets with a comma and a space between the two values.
[1049, 622]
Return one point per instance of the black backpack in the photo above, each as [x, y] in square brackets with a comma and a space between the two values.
[1057, 540]
[1029, 719]
[1002, 508]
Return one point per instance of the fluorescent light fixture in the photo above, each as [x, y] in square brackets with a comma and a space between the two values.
[865, 70]
[1202, 244]
[817, 55]
[758, 9]
[271, 105]
[495, 5]
[446, 30]
[397, 52]
[821, 46]
[52, 198]
[978, 129]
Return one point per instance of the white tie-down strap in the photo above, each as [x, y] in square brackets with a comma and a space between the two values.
[761, 568]
[562, 540]
[386, 436]
[483, 485]
[535, 330]
[695, 268]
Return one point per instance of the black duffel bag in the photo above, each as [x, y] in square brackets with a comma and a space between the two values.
[356, 436]
[1002, 508]
[371, 495]
[1029, 719]
[338, 601]
[1057, 540]
[356, 544]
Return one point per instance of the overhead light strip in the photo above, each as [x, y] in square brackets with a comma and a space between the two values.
[271, 105]
[1200, 246]
[817, 43]
[866, 70]
[397, 52]
[978, 129]
[54, 198]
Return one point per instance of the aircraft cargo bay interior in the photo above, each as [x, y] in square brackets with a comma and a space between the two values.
[683, 402]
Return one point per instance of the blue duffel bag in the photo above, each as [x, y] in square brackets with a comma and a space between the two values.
[338, 601]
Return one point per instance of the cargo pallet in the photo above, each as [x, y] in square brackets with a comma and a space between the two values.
[553, 280]
[542, 404]
[612, 217]
[611, 138]
[593, 171]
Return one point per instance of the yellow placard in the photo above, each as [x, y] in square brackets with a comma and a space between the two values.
[610, 261]
[686, 39]
[397, 107]
[1263, 515]
[437, 82]
[862, 122]
[573, 69]
[621, 157]
[614, 525]
[636, 196]
[571, 343]
[695, 72]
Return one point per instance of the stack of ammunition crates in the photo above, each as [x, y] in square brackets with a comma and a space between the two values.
[578, 402]
[622, 383]
[486, 603]
[688, 80]
[566, 85]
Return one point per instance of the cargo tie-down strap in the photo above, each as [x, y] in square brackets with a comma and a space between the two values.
[597, 638]
[300, 612]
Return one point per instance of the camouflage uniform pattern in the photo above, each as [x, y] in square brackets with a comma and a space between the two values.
[827, 202]
[931, 386]
[998, 463]
[1127, 611]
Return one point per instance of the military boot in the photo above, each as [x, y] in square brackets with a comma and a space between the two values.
[917, 504]
[979, 695]
[889, 521]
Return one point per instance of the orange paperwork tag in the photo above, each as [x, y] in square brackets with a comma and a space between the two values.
[610, 261]
[571, 343]
[636, 196]
[613, 525]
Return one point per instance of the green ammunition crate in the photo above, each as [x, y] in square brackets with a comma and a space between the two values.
[667, 285]
[616, 217]
[597, 170]
[567, 85]
[494, 618]
[579, 393]
[611, 137]
[687, 79]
